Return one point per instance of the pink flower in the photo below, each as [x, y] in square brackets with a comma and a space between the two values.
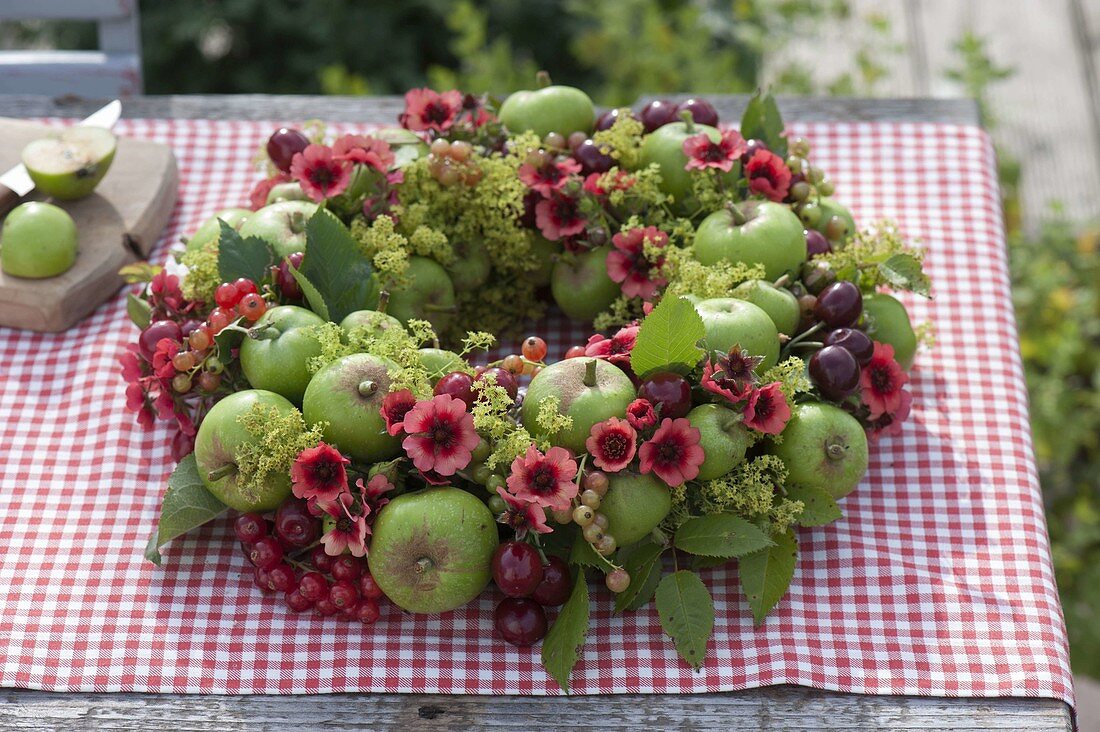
[395, 406]
[595, 183]
[522, 516]
[733, 376]
[319, 473]
[703, 153]
[546, 480]
[768, 175]
[441, 435]
[880, 381]
[166, 350]
[363, 150]
[257, 199]
[428, 110]
[673, 453]
[374, 489]
[641, 415]
[628, 265]
[890, 423]
[615, 349]
[549, 177]
[558, 216]
[612, 444]
[350, 531]
[320, 175]
[767, 410]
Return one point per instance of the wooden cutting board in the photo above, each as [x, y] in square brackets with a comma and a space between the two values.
[118, 224]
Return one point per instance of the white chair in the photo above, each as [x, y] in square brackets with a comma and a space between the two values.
[112, 71]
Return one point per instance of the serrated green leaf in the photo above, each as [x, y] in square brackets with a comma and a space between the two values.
[720, 535]
[313, 297]
[687, 614]
[187, 504]
[668, 338]
[762, 121]
[643, 564]
[766, 575]
[700, 561]
[904, 272]
[820, 507]
[561, 646]
[337, 268]
[583, 555]
[238, 257]
[226, 340]
[140, 311]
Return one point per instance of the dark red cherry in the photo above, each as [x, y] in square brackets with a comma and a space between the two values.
[592, 159]
[608, 119]
[520, 621]
[457, 384]
[504, 378]
[856, 342]
[658, 113]
[669, 393]
[839, 305]
[751, 146]
[557, 583]
[295, 525]
[816, 243]
[283, 145]
[835, 372]
[702, 111]
[517, 568]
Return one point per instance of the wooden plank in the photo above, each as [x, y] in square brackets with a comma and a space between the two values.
[65, 72]
[65, 9]
[787, 708]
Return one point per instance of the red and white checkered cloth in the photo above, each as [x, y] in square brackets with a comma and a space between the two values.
[938, 581]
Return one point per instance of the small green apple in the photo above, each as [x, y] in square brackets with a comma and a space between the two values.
[886, 320]
[580, 284]
[431, 550]
[561, 109]
[218, 442]
[345, 397]
[71, 163]
[588, 389]
[471, 266]
[634, 506]
[291, 191]
[665, 147]
[830, 208]
[426, 294]
[778, 302]
[546, 254]
[823, 447]
[373, 321]
[210, 229]
[275, 355]
[440, 362]
[282, 225]
[38, 240]
[731, 322]
[753, 232]
[723, 438]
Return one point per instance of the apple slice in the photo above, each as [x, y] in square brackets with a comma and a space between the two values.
[71, 163]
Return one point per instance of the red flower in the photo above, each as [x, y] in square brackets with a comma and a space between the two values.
[673, 453]
[768, 175]
[622, 181]
[166, 350]
[257, 199]
[558, 216]
[429, 110]
[612, 444]
[628, 265]
[767, 410]
[441, 435]
[395, 406]
[363, 150]
[733, 376]
[350, 531]
[889, 423]
[522, 516]
[704, 153]
[320, 175]
[881, 381]
[165, 294]
[640, 414]
[375, 488]
[615, 349]
[549, 177]
[546, 480]
[319, 473]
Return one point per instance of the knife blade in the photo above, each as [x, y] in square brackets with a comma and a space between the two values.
[19, 182]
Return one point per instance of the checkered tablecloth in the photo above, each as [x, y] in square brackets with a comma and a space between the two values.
[938, 581]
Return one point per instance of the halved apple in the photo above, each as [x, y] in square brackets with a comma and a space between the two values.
[71, 163]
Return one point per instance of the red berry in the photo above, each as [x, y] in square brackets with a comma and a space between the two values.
[457, 384]
[285, 281]
[702, 111]
[295, 525]
[298, 602]
[320, 559]
[283, 578]
[513, 364]
[517, 568]
[325, 608]
[346, 567]
[227, 296]
[200, 338]
[520, 621]
[575, 352]
[534, 348]
[556, 584]
[657, 113]
[250, 527]
[245, 287]
[283, 145]
[219, 318]
[343, 594]
[147, 341]
[369, 589]
[503, 378]
[262, 579]
[855, 342]
[835, 372]
[266, 552]
[669, 393]
[839, 305]
[368, 611]
[251, 306]
[209, 381]
[313, 586]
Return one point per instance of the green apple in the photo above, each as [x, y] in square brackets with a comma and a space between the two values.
[546, 254]
[431, 550]
[426, 294]
[220, 438]
[471, 266]
[665, 147]
[753, 232]
[731, 322]
[282, 225]
[211, 229]
[634, 506]
[580, 284]
[345, 397]
[373, 321]
[823, 447]
[440, 362]
[291, 191]
[561, 109]
[38, 240]
[830, 208]
[71, 163]
[778, 302]
[723, 438]
[886, 321]
[275, 355]
[588, 389]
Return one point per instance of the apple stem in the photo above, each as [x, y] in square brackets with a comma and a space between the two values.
[222, 472]
[590, 374]
[383, 301]
[267, 333]
[738, 215]
[835, 451]
[689, 122]
[542, 79]
[367, 387]
[783, 281]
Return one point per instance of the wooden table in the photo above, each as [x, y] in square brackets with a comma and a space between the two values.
[786, 708]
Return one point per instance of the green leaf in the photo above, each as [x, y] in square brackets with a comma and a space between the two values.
[583, 555]
[720, 535]
[820, 507]
[668, 338]
[337, 268]
[562, 645]
[226, 340]
[140, 311]
[701, 561]
[643, 564]
[313, 297]
[687, 614]
[187, 504]
[762, 121]
[238, 257]
[766, 575]
[904, 272]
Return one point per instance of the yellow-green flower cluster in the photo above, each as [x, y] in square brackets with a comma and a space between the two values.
[394, 344]
[550, 420]
[866, 250]
[202, 272]
[687, 276]
[792, 378]
[388, 250]
[279, 439]
[624, 140]
[492, 421]
[752, 490]
[477, 340]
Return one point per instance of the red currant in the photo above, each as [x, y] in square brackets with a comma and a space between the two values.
[368, 611]
[266, 552]
[200, 338]
[250, 528]
[517, 568]
[297, 602]
[262, 579]
[251, 306]
[343, 594]
[556, 583]
[313, 586]
[575, 352]
[325, 608]
[283, 578]
[209, 381]
[181, 383]
[520, 621]
[369, 589]
[320, 559]
[218, 319]
[183, 361]
[534, 348]
[245, 286]
[617, 580]
[513, 364]
[346, 567]
[295, 525]
[227, 296]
